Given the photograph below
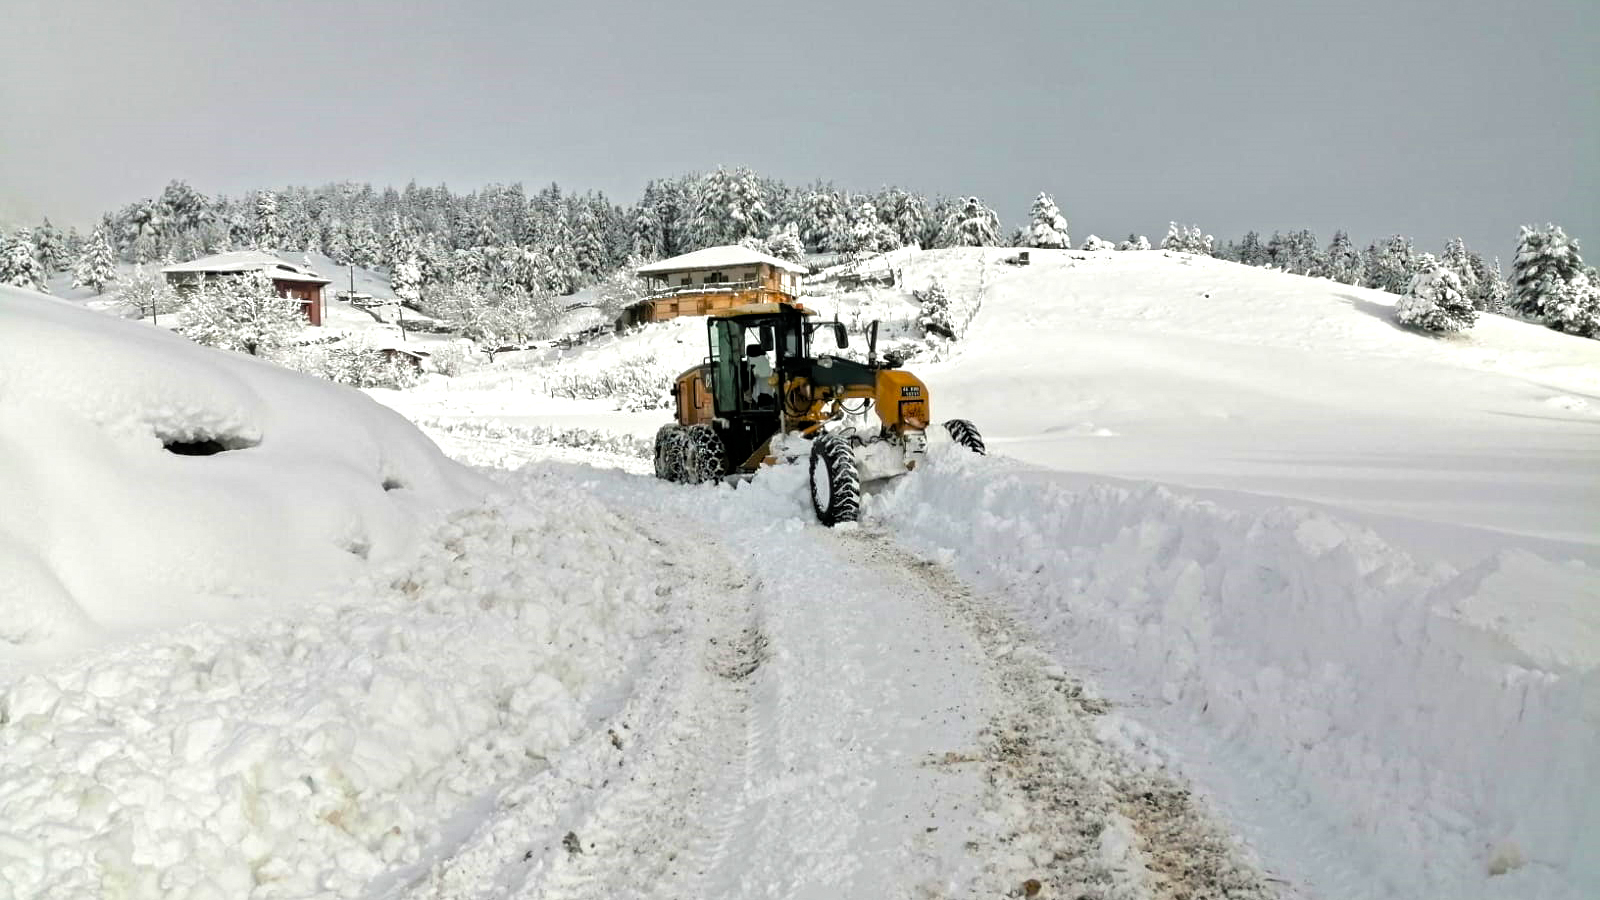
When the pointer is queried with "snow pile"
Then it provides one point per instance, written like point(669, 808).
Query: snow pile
point(306, 755)
point(1443, 722)
point(308, 485)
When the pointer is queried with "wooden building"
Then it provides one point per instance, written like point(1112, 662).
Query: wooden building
point(292, 281)
point(714, 278)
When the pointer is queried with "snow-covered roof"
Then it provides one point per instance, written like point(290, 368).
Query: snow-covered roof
point(726, 256)
point(248, 261)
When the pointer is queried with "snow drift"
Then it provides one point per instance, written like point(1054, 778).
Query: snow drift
point(111, 523)
point(1448, 722)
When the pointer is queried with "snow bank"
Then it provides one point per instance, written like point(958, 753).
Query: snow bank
point(305, 755)
point(108, 532)
point(1448, 722)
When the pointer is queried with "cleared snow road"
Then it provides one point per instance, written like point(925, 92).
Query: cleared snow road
point(829, 716)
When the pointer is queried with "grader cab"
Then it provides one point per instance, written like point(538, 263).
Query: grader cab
point(762, 397)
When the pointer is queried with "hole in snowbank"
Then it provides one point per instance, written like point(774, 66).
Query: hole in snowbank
point(393, 484)
point(200, 442)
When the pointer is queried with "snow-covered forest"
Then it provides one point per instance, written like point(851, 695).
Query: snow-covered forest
point(493, 248)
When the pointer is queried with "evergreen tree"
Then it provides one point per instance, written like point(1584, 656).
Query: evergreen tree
point(1389, 266)
point(1574, 306)
point(242, 313)
point(819, 220)
point(972, 224)
point(1135, 242)
point(785, 243)
point(1250, 251)
point(1436, 301)
point(50, 249)
point(1342, 261)
point(731, 207)
point(1546, 260)
point(1494, 292)
point(1187, 240)
point(18, 265)
point(267, 228)
point(97, 264)
point(1460, 261)
point(1047, 228)
point(406, 280)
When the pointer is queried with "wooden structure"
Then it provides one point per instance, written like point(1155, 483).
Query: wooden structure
point(716, 278)
point(289, 280)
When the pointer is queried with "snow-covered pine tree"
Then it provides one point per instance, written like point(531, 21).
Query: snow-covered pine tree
point(731, 207)
point(242, 313)
point(1574, 306)
point(406, 280)
point(50, 249)
point(785, 243)
point(1494, 294)
point(935, 316)
point(819, 221)
point(1435, 301)
point(1546, 260)
point(1047, 228)
point(18, 265)
point(97, 263)
point(1250, 251)
point(266, 226)
point(1459, 260)
point(971, 224)
point(1389, 266)
point(1187, 240)
point(1342, 261)
point(868, 233)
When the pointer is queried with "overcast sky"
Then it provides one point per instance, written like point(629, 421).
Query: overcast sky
point(1378, 116)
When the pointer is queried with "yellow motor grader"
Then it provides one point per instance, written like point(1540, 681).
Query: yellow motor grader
point(761, 397)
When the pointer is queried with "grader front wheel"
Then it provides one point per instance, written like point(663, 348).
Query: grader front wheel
point(705, 457)
point(966, 434)
point(835, 483)
point(671, 448)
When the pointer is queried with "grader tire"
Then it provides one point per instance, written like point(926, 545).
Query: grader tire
point(665, 445)
point(966, 434)
point(705, 458)
point(835, 483)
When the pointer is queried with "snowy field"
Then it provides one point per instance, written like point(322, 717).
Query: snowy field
point(1259, 596)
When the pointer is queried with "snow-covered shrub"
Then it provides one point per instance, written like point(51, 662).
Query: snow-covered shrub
point(1436, 301)
point(353, 363)
point(935, 317)
point(452, 359)
point(492, 317)
point(1574, 307)
point(147, 295)
point(1135, 242)
point(636, 384)
point(1096, 243)
point(785, 243)
point(242, 313)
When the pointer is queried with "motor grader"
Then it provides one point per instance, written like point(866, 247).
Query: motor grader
point(762, 397)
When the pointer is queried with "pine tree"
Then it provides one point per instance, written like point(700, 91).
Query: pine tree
point(406, 280)
point(972, 224)
point(267, 228)
point(785, 243)
point(97, 264)
point(1546, 260)
point(1574, 306)
point(241, 313)
point(1047, 228)
point(18, 265)
point(1342, 261)
point(1390, 266)
point(50, 249)
point(819, 221)
point(1436, 301)
point(1250, 251)
point(731, 207)
point(1460, 261)
point(1494, 292)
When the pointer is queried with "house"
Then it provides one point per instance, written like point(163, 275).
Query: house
point(297, 282)
point(714, 278)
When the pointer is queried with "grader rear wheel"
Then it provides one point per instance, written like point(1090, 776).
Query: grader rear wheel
point(672, 445)
point(966, 434)
point(704, 455)
point(835, 483)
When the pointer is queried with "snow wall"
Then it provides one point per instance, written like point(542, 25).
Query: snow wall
point(1317, 652)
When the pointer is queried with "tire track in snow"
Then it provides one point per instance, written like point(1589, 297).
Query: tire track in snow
point(1082, 819)
point(589, 825)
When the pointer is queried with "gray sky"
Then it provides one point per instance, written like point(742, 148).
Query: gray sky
point(1377, 116)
